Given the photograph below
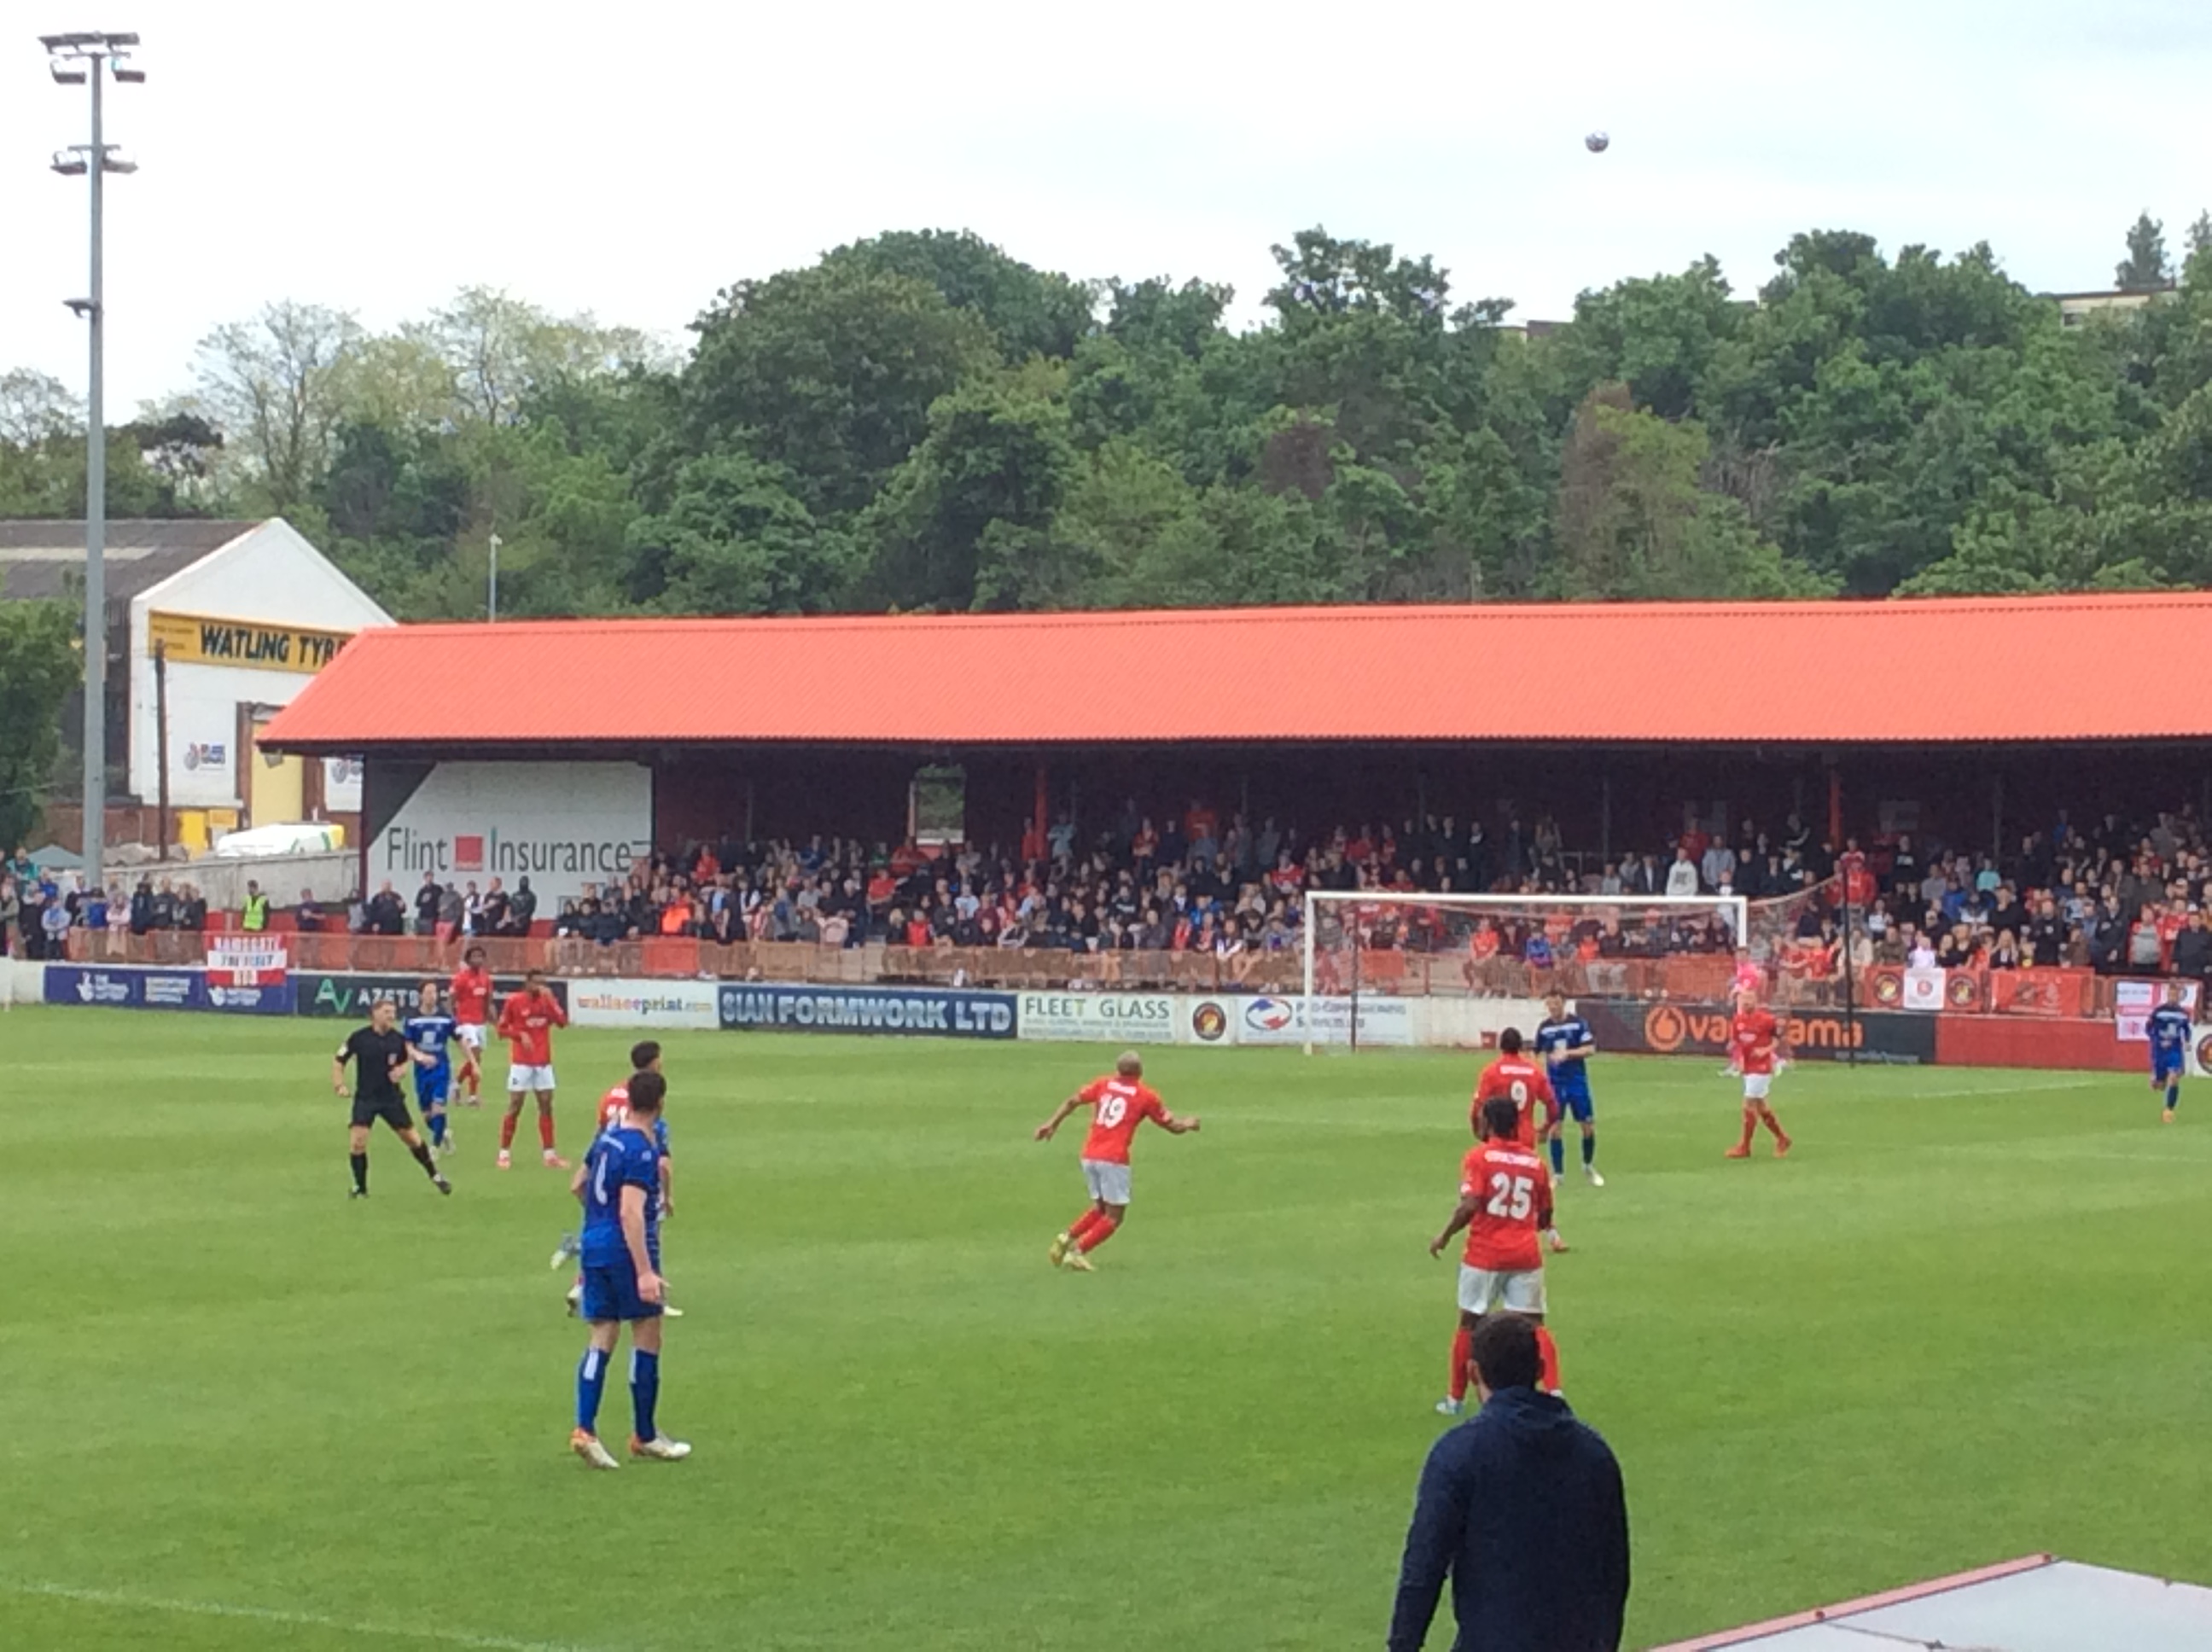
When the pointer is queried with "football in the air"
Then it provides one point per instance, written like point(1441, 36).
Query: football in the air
point(1596, 143)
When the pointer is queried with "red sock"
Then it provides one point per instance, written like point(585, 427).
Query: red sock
point(1766, 1115)
point(1547, 1352)
point(1462, 1343)
point(545, 1130)
point(1083, 1223)
point(1096, 1235)
point(505, 1131)
point(1750, 1126)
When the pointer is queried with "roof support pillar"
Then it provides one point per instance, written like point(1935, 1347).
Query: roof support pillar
point(1835, 803)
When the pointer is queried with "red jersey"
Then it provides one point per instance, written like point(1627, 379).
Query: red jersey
point(1513, 1191)
point(1118, 1105)
point(527, 1022)
point(472, 997)
point(1751, 1038)
point(613, 1106)
point(1523, 1083)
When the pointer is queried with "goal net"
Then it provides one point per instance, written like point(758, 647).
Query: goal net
point(1385, 967)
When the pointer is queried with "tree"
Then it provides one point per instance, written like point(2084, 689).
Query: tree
point(498, 350)
point(2146, 268)
point(2200, 234)
point(35, 408)
point(275, 386)
point(829, 372)
point(39, 665)
point(1325, 276)
point(1030, 311)
point(735, 539)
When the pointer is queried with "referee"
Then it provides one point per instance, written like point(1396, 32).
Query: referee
point(379, 1054)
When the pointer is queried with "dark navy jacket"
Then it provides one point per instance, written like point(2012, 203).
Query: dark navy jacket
point(1521, 1505)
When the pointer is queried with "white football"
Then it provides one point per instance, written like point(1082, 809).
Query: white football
point(1596, 143)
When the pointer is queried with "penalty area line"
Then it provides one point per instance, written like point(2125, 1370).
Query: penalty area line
point(120, 1600)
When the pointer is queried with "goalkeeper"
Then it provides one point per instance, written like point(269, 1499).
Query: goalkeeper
point(1566, 1045)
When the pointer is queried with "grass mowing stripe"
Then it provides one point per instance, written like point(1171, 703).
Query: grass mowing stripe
point(119, 1600)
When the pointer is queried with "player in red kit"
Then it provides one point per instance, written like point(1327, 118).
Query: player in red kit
point(1754, 1045)
point(472, 991)
point(1504, 1202)
point(1515, 1078)
point(527, 1021)
point(1118, 1105)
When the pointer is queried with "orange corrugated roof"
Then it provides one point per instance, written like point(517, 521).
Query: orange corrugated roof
point(2082, 667)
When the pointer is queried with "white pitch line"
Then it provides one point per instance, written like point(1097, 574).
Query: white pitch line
point(116, 1598)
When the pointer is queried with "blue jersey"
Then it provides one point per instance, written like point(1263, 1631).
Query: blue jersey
point(625, 1157)
point(2169, 1036)
point(1553, 1040)
point(430, 1033)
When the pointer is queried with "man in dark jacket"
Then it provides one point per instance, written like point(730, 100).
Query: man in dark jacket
point(1521, 1505)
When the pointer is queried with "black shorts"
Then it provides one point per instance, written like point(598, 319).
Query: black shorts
point(391, 1107)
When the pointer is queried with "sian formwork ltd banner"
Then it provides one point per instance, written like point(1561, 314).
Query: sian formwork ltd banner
point(754, 1007)
point(645, 1005)
point(563, 826)
point(1636, 1028)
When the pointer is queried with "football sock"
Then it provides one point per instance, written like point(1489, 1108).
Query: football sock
point(435, 1124)
point(1559, 1156)
point(1462, 1345)
point(1589, 1147)
point(1750, 1126)
point(1547, 1354)
point(1766, 1117)
point(644, 1390)
point(1083, 1223)
point(545, 1131)
point(360, 1162)
point(506, 1132)
point(1096, 1235)
point(422, 1151)
point(591, 1382)
point(2172, 1096)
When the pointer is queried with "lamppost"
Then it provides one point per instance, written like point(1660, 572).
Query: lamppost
point(87, 60)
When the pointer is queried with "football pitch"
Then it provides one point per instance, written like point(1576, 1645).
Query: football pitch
point(1966, 1320)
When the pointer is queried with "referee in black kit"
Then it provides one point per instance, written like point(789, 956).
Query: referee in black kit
point(379, 1054)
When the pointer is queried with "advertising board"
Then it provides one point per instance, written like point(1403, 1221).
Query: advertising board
point(756, 1007)
point(347, 997)
point(1292, 1019)
point(126, 988)
point(1103, 1017)
point(563, 826)
point(674, 1004)
point(1872, 1035)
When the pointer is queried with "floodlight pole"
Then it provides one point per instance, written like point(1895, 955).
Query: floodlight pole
point(89, 58)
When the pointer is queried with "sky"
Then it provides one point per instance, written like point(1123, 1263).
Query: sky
point(633, 160)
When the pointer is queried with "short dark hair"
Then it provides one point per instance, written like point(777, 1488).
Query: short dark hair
point(643, 1054)
point(647, 1092)
point(1500, 1118)
point(473, 952)
point(1504, 1351)
point(533, 974)
point(1508, 1042)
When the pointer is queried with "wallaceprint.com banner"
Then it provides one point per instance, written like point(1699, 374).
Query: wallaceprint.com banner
point(756, 1008)
point(644, 1004)
point(1637, 1028)
point(350, 997)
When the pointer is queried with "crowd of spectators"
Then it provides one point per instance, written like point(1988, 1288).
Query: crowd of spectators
point(40, 905)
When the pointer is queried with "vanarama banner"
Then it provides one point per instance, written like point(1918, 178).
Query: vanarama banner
point(566, 826)
point(257, 645)
point(1637, 1028)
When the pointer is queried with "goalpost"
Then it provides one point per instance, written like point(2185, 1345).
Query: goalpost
point(1365, 950)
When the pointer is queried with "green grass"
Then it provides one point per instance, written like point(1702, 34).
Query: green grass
point(1965, 1320)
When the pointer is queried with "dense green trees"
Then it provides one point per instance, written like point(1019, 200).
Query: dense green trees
point(921, 419)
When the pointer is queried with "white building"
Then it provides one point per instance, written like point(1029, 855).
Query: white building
point(212, 626)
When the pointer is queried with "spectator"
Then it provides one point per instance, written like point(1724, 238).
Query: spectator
point(308, 916)
point(522, 910)
point(1522, 1507)
point(1682, 875)
point(1717, 867)
point(428, 899)
point(254, 916)
point(11, 917)
point(192, 909)
point(384, 915)
point(141, 907)
point(2192, 948)
point(2046, 937)
point(165, 906)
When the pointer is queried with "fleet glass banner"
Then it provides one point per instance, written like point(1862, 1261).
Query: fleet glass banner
point(566, 826)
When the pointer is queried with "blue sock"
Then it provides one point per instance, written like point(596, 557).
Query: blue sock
point(591, 1382)
point(2172, 1096)
point(435, 1121)
point(1559, 1156)
point(1589, 1147)
point(644, 1389)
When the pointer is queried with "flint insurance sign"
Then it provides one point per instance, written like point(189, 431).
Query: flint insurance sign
point(561, 825)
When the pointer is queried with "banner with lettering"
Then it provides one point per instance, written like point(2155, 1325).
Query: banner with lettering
point(257, 645)
point(237, 958)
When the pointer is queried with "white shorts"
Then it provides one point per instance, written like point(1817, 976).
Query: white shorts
point(522, 1079)
point(1481, 1291)
point(1107, 1181)
point(1755, 1085)
point(471, 1033)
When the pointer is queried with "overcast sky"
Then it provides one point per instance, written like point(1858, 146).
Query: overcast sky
point(374, 158)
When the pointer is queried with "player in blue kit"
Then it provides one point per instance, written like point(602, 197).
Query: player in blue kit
point(1565, 1044)
point(430, 1033)
point(2169, 1045)
point(619, 1182)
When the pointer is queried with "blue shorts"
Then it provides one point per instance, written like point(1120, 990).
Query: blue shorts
point(1575, 1100)
point(2169, 1069)
point(611, 1293)
point(432, 1084)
